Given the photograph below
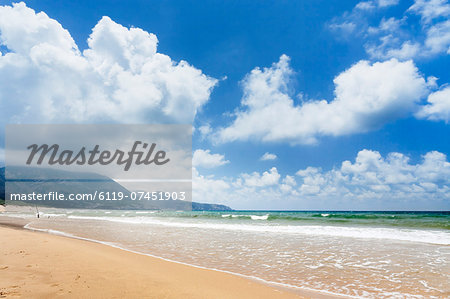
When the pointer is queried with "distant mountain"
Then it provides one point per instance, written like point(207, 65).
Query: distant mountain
point(43, 180)
point(64, 182)
point(2, 185)
point(196, 206)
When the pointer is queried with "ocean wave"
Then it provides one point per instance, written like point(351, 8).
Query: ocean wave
point(252, 217)
point(419, 220)
point(396, 234)
point(256, 217)
point(124, 248)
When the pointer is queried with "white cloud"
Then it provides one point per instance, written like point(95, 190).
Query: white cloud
point(394, 37)
point(369, 5)
point(205, 130)
point(438, 107)
point(435, 41)
point(438, 38)
point(22, 30)
point(263, 192)
point(355, 21)
point(407, 50)
point(370, 181)
point(386, 3)
point(386, 25)
point(372, 176)
point(209, 188)
point(366, 97)
point(346, 28)
point(430, 9)
point(288, 185)
point(120, 77)
point(289, 180)
point(268, 156)
point(204, 158)
point(268, 178)
point(365, 5)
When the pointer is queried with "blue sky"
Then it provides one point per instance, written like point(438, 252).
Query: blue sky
point(379, 61)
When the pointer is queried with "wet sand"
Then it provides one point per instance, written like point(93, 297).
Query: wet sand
point(40, 265)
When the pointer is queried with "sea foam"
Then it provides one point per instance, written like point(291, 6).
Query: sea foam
point(396, 234)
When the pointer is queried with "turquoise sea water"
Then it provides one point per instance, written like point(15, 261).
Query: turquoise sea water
point(415, 219)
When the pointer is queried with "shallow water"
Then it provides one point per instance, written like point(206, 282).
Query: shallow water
point(372, 255)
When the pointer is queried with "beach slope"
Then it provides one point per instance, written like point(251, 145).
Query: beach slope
point(39, 265)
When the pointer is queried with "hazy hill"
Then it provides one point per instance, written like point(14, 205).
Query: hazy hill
point(64, 182)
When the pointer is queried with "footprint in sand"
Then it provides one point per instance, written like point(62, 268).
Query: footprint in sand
point(4, 268)
point(7, 293)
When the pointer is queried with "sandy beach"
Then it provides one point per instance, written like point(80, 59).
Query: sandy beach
point(225, 149)
point(40, 265)
point(118, 254)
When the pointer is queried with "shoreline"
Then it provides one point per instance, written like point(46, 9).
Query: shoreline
point(170, 246)
point(221, 284)
point(276, 285)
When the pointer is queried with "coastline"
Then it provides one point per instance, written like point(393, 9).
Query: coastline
point(40, 265)
point(308, 270)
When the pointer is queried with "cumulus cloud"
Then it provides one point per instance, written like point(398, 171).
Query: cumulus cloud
point(120, 77)
point(367, 96)
point(209, 188)
point(371, 176)
point(393, 37)
point(370, 180)
point(205, 131)
point(438, 107)
point(268, 156)
point(268, 178)
point(288, 185)
point(243, 191)
point(204, 158)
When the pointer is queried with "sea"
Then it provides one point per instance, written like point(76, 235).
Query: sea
point(335, 253)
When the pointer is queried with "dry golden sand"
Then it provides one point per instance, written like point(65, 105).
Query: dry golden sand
point(39, 265)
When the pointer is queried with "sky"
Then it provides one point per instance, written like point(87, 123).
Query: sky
point(298, 105)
